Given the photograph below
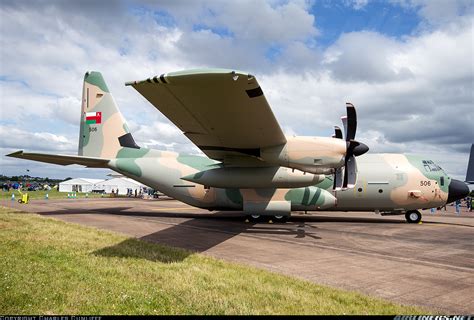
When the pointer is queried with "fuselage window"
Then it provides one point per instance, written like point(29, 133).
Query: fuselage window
point(441, 181)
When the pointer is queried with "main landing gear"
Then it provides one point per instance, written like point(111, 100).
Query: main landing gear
point(262, 218)
point(413, 216)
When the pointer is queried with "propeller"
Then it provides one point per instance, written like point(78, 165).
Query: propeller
point(337, 132)
point(354, 149)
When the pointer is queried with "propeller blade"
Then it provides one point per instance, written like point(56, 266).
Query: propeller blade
point(344, 125)
point(337, 132)
point(351, 173)
point(337, 179)
point(351, 122)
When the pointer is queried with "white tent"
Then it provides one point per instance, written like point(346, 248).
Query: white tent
point(121, 184)
point(78, 185)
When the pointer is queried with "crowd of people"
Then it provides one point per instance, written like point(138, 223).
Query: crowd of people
point(468, 202)
point(135, 193)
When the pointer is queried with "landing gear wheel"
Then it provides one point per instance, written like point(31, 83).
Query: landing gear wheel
point(254, 217)
point(413, 216)
point(280, 219)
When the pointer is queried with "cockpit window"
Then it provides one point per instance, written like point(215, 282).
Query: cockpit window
point(430, 166)
point(441, 180)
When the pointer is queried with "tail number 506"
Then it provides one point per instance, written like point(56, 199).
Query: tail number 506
point(425, 183)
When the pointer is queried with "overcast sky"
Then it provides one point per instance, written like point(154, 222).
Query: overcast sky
point(407, 65)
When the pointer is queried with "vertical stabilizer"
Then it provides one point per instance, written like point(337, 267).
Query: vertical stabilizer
point(470, 166)
point(103, 130)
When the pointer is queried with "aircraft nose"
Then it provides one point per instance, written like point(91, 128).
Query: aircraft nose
point(457, 190)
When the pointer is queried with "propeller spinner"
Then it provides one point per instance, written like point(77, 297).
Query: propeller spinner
point(354, 149)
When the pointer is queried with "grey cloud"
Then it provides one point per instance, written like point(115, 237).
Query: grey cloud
point(364, 56)
point(258, 20)
point(35, 141)
point(261, 21)
point(438, 12)
point(205, 48)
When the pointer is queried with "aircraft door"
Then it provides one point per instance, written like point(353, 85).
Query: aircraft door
point(440, 197)
point(205, 194)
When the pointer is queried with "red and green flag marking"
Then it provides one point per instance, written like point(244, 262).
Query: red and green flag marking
point(93, 117)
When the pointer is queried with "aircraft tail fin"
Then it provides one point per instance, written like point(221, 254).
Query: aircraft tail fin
point(470, 166)
point(103, 130)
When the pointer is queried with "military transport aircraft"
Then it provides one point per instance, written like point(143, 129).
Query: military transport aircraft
point(251, 166)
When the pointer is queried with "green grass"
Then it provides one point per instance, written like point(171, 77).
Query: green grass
point(40, 194)
point(51, 267)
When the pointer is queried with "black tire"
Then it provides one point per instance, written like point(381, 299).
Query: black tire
point(280, 219)
point(254, 217)
point(413, 216)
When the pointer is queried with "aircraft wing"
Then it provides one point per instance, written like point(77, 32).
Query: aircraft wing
point(63, 160)
point(223, 112)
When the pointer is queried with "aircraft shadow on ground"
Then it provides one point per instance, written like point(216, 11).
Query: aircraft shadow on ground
point(131, 248)
point(190, 235)
point(196, 235)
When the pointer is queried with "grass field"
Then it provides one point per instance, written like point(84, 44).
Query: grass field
point(51, 267)
point(41, 194)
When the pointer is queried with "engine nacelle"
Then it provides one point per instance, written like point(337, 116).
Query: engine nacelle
point(311, 198)
point(318, 155)
point(249, 178)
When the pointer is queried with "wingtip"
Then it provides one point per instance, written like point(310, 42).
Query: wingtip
point(15, 154)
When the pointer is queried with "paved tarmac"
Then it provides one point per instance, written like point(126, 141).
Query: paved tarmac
point(429, 264)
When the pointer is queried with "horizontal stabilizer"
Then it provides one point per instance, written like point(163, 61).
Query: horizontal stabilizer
point(63, 160)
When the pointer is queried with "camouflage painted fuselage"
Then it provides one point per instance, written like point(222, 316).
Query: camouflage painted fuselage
point(386, 182)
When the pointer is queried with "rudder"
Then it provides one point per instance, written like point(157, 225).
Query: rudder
point(103, 130)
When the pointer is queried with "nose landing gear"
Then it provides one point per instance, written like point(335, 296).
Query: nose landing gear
point(413, 216)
